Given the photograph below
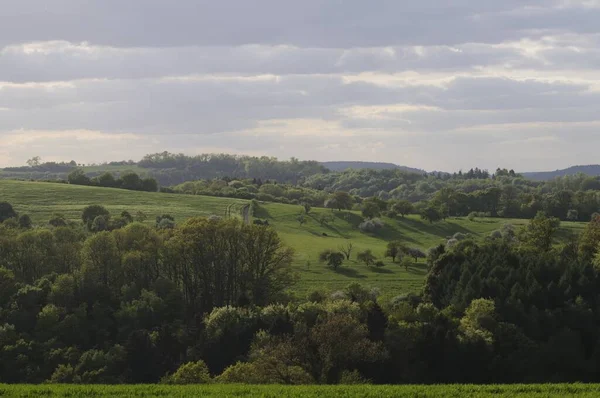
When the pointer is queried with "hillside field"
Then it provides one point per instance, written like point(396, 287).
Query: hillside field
point(275, 391)
point(42, 200)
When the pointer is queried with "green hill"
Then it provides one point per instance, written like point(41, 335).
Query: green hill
point(41, 200)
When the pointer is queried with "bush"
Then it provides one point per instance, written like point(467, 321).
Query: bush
point(25, 221)
point(353, 377)
point(332, 258)
point(6, 211)
point(366, 256)
point(371, 225)
point(379, 263)
point(191, 373)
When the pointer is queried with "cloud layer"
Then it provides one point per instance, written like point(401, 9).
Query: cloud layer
point(426, 84)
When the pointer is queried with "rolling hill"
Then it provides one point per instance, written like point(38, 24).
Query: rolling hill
point(41, 200)
point(592, 170)
point(344, 165)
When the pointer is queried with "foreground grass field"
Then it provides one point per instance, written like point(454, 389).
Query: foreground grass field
point(532, 390)
point(41, 200)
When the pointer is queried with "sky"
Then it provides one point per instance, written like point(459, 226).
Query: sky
point(433, 84)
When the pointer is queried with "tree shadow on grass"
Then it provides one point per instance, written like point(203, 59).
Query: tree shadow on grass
point(441, 229)
point(418, 269)
point(381, 271)
point(350, 218)
point(261, 212)
point(349, 272)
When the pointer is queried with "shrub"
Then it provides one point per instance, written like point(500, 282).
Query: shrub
point(353, 377)
point(191, 373)
point(25, 221)
point(6, 211)
point(366, 256)
point(379, 263)
point(371, 225)
point(332, 258)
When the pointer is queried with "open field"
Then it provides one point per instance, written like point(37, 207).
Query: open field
point(308, 240)
point(41, 200)
point(215, 390)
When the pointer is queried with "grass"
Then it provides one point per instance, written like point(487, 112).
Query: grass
point(216, 390)
point(41, 200)
point(391, 280)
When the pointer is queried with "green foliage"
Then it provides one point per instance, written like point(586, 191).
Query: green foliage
point(191, 373)
point(25, 221)
point(395, 249)
point(90, 213)
point(366, 256)
point(6, 212)
point(332, 258)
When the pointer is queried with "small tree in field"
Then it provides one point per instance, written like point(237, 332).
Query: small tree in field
point(403, 207)
point(416, 253)
point(395, 249)
point(191, 373)
point(331, 258)
point(366, 256)
point(406, 262)
point(347, 249)
point(306, 207)
point(301, 218)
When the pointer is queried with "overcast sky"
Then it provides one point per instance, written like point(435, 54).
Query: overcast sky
point(434, 84)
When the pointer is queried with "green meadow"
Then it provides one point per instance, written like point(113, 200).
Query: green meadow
point(317, 391)
point(41, 200)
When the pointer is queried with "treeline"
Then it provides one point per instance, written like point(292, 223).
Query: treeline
point(269, 191)
point(206, 300)
point(504, 194)
point(171, 169)
point(129, 180)
point(81, 304)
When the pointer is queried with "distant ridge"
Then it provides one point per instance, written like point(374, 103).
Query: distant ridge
point(344, 165)
point(591, 170)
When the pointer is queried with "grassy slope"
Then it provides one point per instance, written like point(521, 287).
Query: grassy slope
point(216, 390)
point(392, 279)
point(41, 200)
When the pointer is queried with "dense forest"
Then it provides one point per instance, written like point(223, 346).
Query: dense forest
point(111, 300)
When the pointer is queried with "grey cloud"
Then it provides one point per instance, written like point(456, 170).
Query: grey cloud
point(310, 23)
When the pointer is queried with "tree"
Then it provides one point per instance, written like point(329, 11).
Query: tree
point(191, 373)
point(140, 216)
point(78, 177)
point(416, 253)
point(370, 209)
point(331, 258)
point(25, 221)
point(366, 256)
point(90, 213)
point(346, 249)
point(395, 249)
point(149, 185)
point(307, 207)
point(106, 180)
point(325, 219)
point(130, 180)
point(340, 200)
point(431, 213)
point(301, 218)
point(539, 232)
point(406, 262)
point(403, 207)
point(58, 220)
point(34, 161)
point(6, 211)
